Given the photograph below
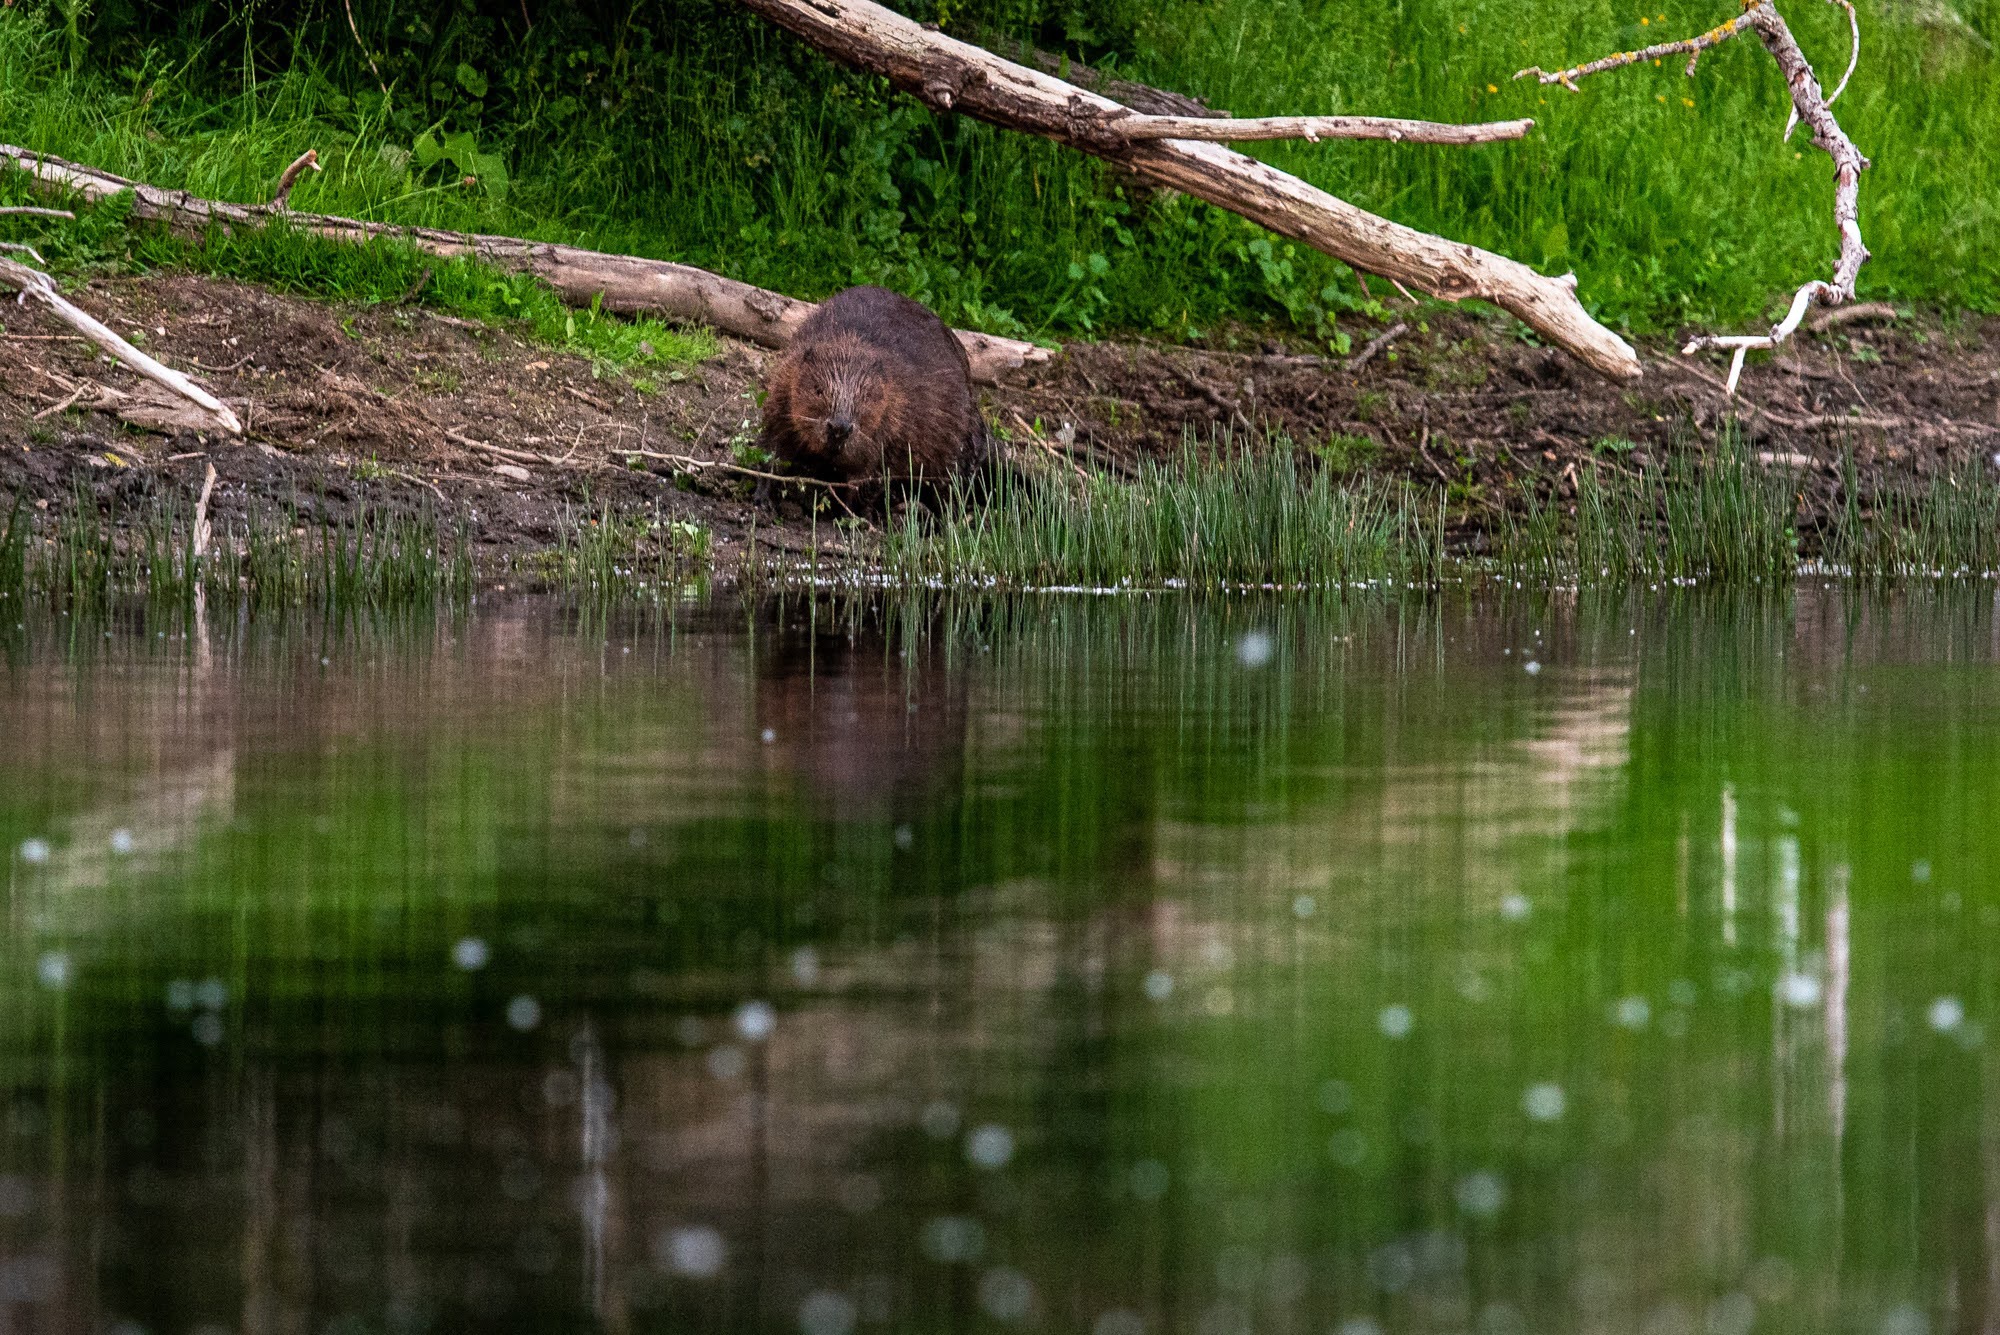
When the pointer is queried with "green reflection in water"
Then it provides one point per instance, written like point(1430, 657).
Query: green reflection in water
point(1113, 964)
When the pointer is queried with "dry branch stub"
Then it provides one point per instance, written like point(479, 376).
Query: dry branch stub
point(947, 74)
point(626, 284)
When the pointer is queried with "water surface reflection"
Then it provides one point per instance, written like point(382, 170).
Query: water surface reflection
point(1120, 965)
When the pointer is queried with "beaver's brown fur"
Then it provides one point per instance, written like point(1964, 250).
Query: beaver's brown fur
point(873, 388)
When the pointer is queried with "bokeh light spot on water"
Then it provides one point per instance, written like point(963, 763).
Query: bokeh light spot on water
point(1255, 649)
point(1481, 1194)
point(1150, 1179)
point(122, 842)
point(1905, 1319)
point(1544, 1102)
point(1358, 1325)
point(1516, 907)
point(1119, 1321)
point(805, 966)
point(1335, 1096)
point(826, 1313)
point(471, 952)
point(1304, 906)
point(939, 1119)
point(1632, 1012)
point(524, 1013)
point(691, 1031)
point(53, 969)
point(768, 736)
point(1005, 1294)
point(1800, 991)
point(1395, 1021)
point(726, 1061)
point(1219, 1001)
point(1391, 1267)
point(1532, 668)
point(755, 1021)
point(34, 852)
point(211, 994)
point(906, 838)
point(1732, 1314)
point(1348, 1147)
point(1920, 871)
point(1159, 985)
point(695, 1251)
point(180, 994)
point(207, 1029)
point(952, 1239)
point(1682, 992)
point(990, 1146)
point(1946, 1014)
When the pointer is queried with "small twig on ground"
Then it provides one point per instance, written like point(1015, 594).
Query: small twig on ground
point(30, 211)
point(500, 451)
point(1376, 344)
point(693, 465)
point(582, 397)
point(309, 158)
point(23, 248)
point(236, 365)
point(412, 477)
point(51, 411)
point(1840, 315)
point(416, 288)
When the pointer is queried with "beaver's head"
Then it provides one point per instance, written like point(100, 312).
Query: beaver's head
point(841, 397)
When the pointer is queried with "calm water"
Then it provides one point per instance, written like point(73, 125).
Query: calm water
point(1098, 965)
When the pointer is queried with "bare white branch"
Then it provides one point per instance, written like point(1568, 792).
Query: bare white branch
point(1809, 106)
point(1313, 129)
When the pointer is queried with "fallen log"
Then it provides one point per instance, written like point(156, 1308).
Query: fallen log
point(38, 286)
point(626, 284)
point(950, 75)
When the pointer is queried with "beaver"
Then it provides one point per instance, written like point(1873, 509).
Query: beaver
point(874, 388)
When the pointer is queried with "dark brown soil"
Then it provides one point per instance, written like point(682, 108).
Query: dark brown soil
point(383, 405)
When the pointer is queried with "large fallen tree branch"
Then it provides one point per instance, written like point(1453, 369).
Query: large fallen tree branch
point(35, 285)
point(1809, 105)
point(949, 75)
point(626, 284)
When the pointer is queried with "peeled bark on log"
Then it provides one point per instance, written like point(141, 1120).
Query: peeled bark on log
point(627, 284)
point(950, 75)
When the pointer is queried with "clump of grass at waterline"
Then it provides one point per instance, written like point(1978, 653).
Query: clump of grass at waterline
point(89, 558)
point(1722, 516)
point(602, 555)
point(1237, 517)
point(1718, 516)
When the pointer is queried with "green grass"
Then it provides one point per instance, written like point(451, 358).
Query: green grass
point(690, 131)
point(383, 272)
point(1236, 516)
point(90, 557)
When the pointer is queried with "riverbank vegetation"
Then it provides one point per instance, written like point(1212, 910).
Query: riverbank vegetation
point(688, 130)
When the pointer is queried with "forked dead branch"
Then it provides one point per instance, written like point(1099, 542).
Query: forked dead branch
point(1810, 105)
point(949, 75)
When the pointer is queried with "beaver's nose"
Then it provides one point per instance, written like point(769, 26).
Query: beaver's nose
point(838, 429)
